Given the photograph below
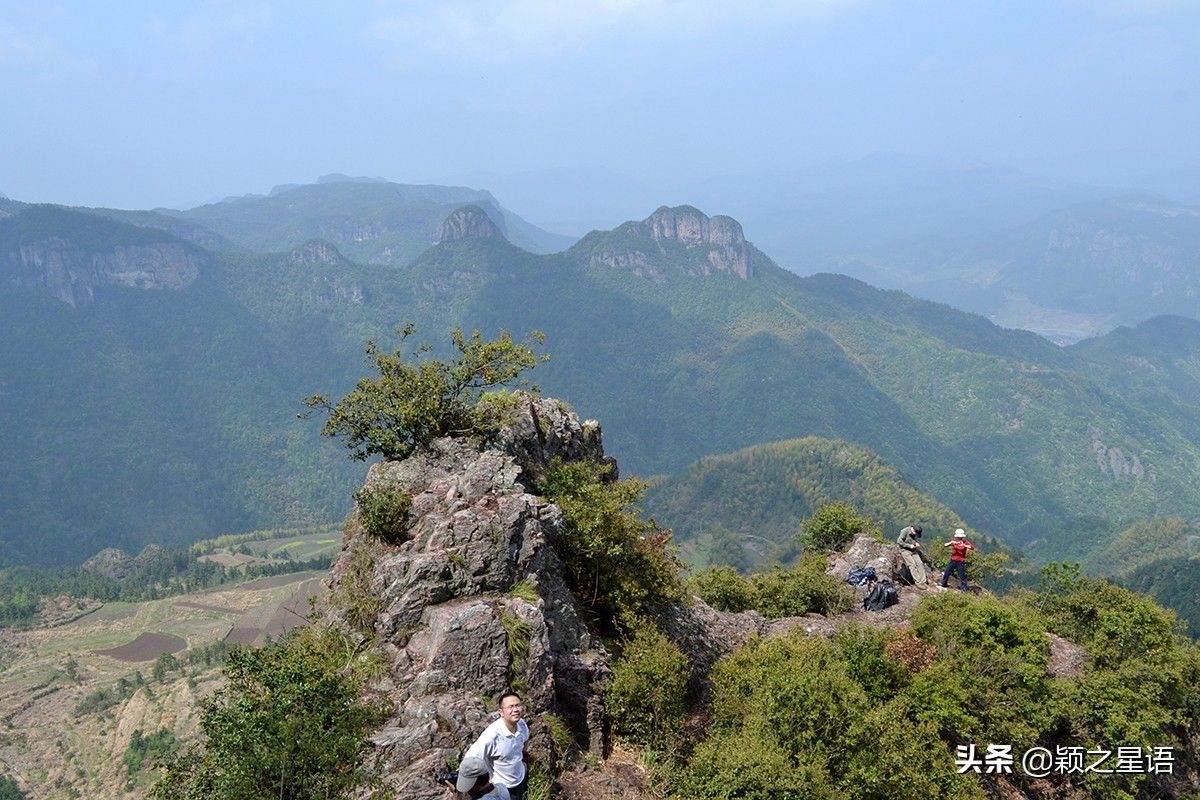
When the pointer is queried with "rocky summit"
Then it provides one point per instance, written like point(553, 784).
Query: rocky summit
point(445, 618)
point(468, 222)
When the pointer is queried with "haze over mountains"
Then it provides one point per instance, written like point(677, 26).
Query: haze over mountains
point(157, 361)
point(1068, 260)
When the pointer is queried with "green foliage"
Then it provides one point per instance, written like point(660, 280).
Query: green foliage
point(517, 632)
point(864, 651)
point(524, 590)
point(150, 750)
point(10, 789)
point(746, 766)
point(765, 493)
point(288, 722)
point(1114, 624)
point(415, 400)
point(723, 589)
point(791, 691)
point(383, 511)
point(803, 589)
point(161, 573)
point(895, 755)
point(646, 696)
point(352, 594)
point(833, 526)
point(620, 567)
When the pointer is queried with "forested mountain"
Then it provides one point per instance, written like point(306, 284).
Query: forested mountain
point(745, 508)
point(165, 413)
point(1070, 273)
point(374, 222)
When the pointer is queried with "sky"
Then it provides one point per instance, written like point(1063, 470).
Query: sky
point(146, 104)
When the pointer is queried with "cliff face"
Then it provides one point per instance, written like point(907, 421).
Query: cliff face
point(444, 616)
point(72, 273)
point(708, 244)
point(468, 222)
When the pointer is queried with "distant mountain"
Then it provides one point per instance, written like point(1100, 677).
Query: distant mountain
point(169, 414)
point(745, 508)
point(1069, 274)
point(371, 222)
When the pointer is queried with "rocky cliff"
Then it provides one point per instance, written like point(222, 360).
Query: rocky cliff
point(708, 244)
point(474, 600)
point(71, 254)
point(468, 222)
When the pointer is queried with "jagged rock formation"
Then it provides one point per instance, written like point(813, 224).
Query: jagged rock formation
point(717, 241)
point(468, 222)
point(444, 617)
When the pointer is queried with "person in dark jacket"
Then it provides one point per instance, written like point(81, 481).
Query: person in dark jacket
point(959, 546)
point(910, 552)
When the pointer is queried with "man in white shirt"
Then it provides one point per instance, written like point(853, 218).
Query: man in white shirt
point(501, 747)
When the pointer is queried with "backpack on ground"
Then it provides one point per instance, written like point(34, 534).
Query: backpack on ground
point(883, 595)
point(904, 576)
point(861, 576)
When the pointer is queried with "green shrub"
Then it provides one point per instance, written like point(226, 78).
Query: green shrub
point(989, 684)
point(414, 400)
point(149, 750)
point(800, 590)
point(383, 511)
point(289, 722)
point(359, 605)
point(865, 653)
point(794, 690)
point(895, 756)
point(1114, 624)
point(832, 527)
point(746, 766)
point(620, 567)
point(646, 696)
point(723, 589)
point(10, 789)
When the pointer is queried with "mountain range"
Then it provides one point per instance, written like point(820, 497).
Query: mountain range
point(158, 359)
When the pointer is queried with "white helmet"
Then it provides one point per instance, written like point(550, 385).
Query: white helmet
point(959, 533)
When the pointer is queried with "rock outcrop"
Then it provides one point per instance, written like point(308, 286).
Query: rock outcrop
point(475, 599)
point(72, 274)
point(468, 222)
point(712, 244)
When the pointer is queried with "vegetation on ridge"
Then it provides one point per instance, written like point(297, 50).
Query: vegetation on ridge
point(413, 401)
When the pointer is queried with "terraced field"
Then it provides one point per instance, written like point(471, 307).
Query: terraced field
point(71, 696)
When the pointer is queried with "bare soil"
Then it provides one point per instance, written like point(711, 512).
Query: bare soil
point(146, 647)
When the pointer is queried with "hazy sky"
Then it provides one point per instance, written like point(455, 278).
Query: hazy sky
point(139, 104)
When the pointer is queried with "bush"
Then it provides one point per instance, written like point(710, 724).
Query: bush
point(646, 696)
point(723, 589)
point(620, 567)
point(414, 401)
point(792, 690)
point(832, 527)
point(866, 654)
point(154, 749)
point(1114, 624)
point(748, 767)
point(289, 722)
point(383, 511)
point(989, 684)
point(800, 590)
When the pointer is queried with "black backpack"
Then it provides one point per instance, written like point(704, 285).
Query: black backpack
point(904, 576)
point(883, 595)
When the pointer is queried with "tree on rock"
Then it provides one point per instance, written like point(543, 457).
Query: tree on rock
point(414, 399)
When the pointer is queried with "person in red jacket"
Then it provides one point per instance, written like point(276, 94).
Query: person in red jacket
point(958, 558)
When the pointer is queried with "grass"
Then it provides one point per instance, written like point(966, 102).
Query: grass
point(517, 632)
point(524, 590)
